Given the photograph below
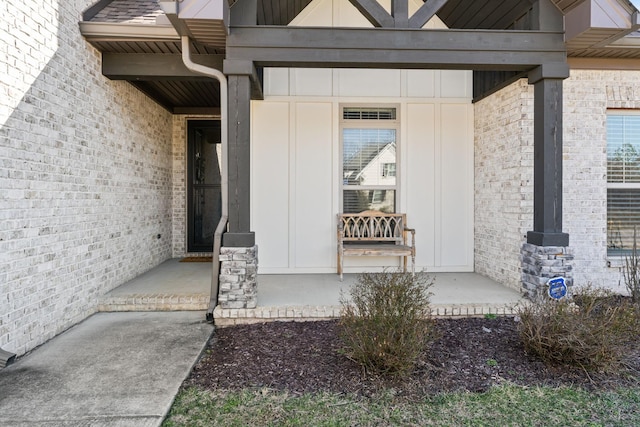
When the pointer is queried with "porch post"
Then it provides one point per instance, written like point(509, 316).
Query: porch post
point(239, 253)
point(546, 254)
point(239, 155)
point(547, 156)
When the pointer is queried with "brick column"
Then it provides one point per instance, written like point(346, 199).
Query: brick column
point(541, 263)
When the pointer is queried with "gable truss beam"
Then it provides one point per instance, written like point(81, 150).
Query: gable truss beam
point(400, 11)
point(425, 13)
point(395, 48)
point(399, 18)
point(374, 12)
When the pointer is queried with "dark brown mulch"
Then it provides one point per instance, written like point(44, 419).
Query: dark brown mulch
point(197, 259)
point(471, 354)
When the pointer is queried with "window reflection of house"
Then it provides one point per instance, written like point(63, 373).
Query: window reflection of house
point(389, 169)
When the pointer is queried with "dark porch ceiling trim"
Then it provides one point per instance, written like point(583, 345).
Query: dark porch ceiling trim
point(395, 48)
point(153, 66)
point(486, 83)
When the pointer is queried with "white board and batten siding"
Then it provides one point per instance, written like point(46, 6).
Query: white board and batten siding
point(296, 159)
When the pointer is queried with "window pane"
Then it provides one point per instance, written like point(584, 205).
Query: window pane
point(623, 148)
point(355, 201)
point(623, 213)
point(365, 151)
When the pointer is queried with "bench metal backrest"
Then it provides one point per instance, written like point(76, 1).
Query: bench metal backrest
point(372, 226)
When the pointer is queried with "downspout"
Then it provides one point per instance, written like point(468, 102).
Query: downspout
point(6, 358)
point(217, 237)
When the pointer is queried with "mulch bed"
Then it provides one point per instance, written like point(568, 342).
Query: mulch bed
point(471, 354)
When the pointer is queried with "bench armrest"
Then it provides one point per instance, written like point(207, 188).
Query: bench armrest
point(340, 230)
point(413, 235)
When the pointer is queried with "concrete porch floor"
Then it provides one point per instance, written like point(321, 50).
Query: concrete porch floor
point(175, 285)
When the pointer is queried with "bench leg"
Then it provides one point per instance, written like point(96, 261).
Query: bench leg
point(340, 258)
point(413, 264)
point(404, 262)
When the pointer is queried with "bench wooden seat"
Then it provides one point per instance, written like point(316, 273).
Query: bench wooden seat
point(375, 233)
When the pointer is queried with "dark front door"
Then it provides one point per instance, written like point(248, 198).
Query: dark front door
point(204, 204)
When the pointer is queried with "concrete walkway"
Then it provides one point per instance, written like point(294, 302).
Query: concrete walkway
point(123, 369)
point(113, 369)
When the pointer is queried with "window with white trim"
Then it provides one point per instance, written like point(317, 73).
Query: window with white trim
point(369, 166)
point(623, 180)
point(388, 169)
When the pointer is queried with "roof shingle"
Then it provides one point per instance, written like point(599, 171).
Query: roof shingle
point(129, 12)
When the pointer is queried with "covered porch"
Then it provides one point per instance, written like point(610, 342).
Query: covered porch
point(234, 56)
point(175, 285)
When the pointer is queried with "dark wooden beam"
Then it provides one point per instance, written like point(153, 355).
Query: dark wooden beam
point(425, 13)
point(546, 16)
point(400, 9)
point(239, 163)
point(246, 68)
point(374, 12)
point(547, 156)
point(244, 12)
point(154, 66)
point(395, 48)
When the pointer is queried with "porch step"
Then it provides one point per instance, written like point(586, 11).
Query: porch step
point(155, 302)
point(242, 316)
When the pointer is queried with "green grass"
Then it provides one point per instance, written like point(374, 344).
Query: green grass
point(506, 405)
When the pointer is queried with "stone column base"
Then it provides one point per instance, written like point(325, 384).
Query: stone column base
point(541, 263)
point(238, 282)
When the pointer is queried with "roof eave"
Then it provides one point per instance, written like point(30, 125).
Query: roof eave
point(611, 20)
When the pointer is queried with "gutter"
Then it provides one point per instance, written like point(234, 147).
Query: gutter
point(111, 31)
point(217, 237)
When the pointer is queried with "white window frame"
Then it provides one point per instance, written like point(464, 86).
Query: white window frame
point(371, 124)
point(388, 171)
point(618, 185)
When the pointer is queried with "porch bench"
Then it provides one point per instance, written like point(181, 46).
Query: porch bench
point(375, 233)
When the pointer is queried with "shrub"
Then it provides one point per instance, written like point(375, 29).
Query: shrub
point(631, 271)
point(386, 323)
point(595, 331)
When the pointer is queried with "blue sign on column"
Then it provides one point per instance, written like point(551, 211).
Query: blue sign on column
point(557, 288)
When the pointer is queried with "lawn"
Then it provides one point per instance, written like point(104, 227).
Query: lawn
point(503, 405)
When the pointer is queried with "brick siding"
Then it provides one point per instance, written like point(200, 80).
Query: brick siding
point(504, 174)
point(588, 95)
point(85, 175)
point(503, 181)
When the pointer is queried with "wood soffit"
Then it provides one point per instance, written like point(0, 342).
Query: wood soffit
point(140, 27)
point(140, 16)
